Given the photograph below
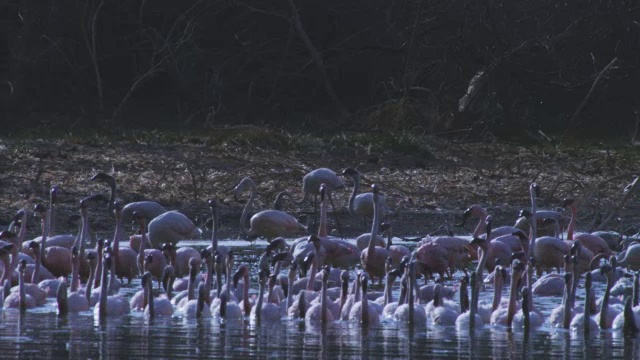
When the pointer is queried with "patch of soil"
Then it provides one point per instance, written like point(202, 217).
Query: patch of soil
point(425, 190)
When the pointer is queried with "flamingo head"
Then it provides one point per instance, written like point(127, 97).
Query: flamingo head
point(384, 227)
point(74, 251)
point(53, 194)
point(20, 215)
point(344, 276)
point(33, 245)
point(605, 269)
point(7, 235)
point(350, 172)
point(6, 249)
point(40, 209)
point(568, 202)
point(526, 213)
point(323, 191)
point(205, 254)
point(23, 265)
point(242, 271)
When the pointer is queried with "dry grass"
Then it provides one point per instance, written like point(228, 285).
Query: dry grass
point(427, 181)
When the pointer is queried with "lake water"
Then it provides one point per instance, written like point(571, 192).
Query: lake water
point(41, 334)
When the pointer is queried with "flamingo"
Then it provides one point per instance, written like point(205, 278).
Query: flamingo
point(20, 299)
point(629, 321)
point(607, 313)
point(396, 252)
point(504, 316)
point(318, 312)
point(158, 261)
point(179, 257)
point(441, 313)
point(335, 252)
point(471, 319)
point(124, 262)
point(480, 231)
point(266, 311)
point(109, 305)
point(363, 204)
point(594, 243)
point(362, 311)
point(310, 185)
point(373, 257)
point(410, 313)
point(630, 258)
point(267, 223)
point(148, 209)
point(547, 250)
point(584, 322)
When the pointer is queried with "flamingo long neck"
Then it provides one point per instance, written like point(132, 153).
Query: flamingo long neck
point(115, 249)
point(571, 228)
point(473, 306)
point(533, 223)
point(150, 301)
point(497, 291)
point(43, 244)
point(88, 288)
point(302, 304)
point(36, 270)
point(102, 307)
point(323, 301)
point(218, 282)
point(526, 311)
point(6, 274)
point(244, 228)
point(387, 289)
point(322, 228)
point(529, 297)
point(75, 269)
point(481, 228)
point(292, 276)
point(260, 300)
point(52, 216)
point(411, 295)
point(343, 295)
point(62, 300)
point(574, 285)
point(513, 293)
point(484, 255)
point(142, 248)
point(245, 294)
point(354, 193)
point(84, 234)
point(587, 304)
point(191, 285)
point(22, 234)
point(374, 227)
point(437, 296)
point(604, 307)
point(200, 301)
point(312, 275)
point(214, 241)
point(403, 291)
point(223, 305)
point(23, 294)
point(389, 241)
point(566, 320)
point(630, 327)
point(96, 281)
point(636, 292)
point(365, 304)
point(464, 297)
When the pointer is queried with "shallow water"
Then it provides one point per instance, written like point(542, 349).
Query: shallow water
point(40, 334)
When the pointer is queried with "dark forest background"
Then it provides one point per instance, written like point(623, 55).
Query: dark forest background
point(510, 68)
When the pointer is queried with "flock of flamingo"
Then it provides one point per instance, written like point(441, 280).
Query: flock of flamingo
point(314, 278)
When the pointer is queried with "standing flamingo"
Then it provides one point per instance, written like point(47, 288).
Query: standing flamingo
point(362, 204)
point(373, 257)
point(594, 243)
point(148, 209)
point(267, 223)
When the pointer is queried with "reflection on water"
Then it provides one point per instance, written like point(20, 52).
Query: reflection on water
point(44, 335)
point(40, 334)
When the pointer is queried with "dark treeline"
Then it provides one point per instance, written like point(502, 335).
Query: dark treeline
point(509, 67)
